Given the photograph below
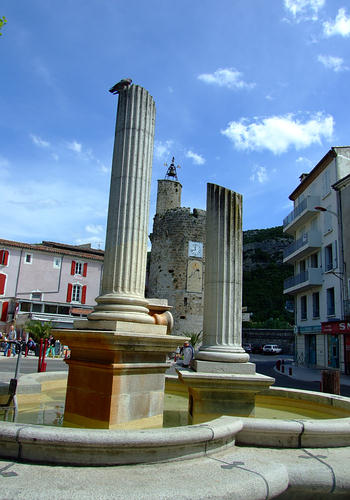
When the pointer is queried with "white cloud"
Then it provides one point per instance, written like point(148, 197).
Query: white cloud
point(304, 9)
point(340, 26)
point(94, 229)
point(279, 133)
point(304, 161)
point(162, 149)
point(38, 141)
point(259, 174)
point(74, 146)
point(197, 159)
point(332, 62)
point(225, 77)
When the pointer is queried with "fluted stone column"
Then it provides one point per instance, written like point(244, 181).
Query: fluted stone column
point(222, 323)
point(122, 297)
point(225, 383)
point(119, 354)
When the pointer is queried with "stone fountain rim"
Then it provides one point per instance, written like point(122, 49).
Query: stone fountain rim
point(45, 444)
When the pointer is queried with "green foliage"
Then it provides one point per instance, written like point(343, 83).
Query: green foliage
point(270, 233)
point(195, 338)
point(3, 21)
point(263, 293)
point(37, 329)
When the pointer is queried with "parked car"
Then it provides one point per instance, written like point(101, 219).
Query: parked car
point(272, 349)
point(247, 348)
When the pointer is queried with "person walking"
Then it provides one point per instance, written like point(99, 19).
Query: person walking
point(51, 346)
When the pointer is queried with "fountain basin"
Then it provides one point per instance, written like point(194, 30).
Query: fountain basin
point(63, 445)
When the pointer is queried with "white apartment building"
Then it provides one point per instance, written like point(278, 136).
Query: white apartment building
point(319, 282)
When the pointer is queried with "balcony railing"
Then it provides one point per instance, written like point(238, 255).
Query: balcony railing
point(307, 206)
point(311, 277)
point(305, 245)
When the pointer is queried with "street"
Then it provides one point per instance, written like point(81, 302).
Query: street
point(264, 365)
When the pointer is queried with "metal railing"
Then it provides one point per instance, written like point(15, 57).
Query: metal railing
point(308, 203)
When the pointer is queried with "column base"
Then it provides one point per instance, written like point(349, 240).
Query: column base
point(114, 306)
point(224, 354)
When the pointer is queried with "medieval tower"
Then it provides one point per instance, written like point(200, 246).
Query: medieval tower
point(177, 255)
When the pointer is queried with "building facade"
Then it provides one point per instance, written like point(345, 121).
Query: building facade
point(48, 281)
point(317, 285)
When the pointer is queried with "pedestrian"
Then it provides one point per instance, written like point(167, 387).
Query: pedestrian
point(188, 354)
point(11, 345)
point(51, 346)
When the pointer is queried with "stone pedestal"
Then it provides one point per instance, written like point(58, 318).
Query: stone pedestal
point(116, 379)
point(214, 394)
point(225, 383)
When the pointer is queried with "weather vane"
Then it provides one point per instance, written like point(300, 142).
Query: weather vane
point(171, 172)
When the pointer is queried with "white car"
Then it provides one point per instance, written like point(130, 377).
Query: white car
point(272, 349)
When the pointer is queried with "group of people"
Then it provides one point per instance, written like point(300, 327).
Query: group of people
point(8, 342)
point(11, 336)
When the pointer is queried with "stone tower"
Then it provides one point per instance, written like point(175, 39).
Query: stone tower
point(177, 257)
point(168, 195)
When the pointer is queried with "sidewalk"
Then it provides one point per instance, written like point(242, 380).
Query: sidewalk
point(308, 374)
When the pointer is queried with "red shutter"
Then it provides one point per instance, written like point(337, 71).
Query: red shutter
point(72, 269)
point(2, 283)
point(1, 256)
point(6, 257)
point(83, 295)
point(69, 292)
point(5, 306)
point(85, 269)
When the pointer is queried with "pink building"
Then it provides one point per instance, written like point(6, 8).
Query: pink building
point(48, 281)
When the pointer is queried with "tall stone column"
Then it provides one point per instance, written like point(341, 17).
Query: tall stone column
point(222, 322)
point(124, 273)
point(225, 383)
point(118, 355)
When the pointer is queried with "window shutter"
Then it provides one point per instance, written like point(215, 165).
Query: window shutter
point(5, 306)
point(85, 269)
point(2, 283)
point(83, 294)
point(72, 269)
point(6, 257)
point(1, 255)
point(69, 292)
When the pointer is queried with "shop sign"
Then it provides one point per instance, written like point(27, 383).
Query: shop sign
point(336, 327)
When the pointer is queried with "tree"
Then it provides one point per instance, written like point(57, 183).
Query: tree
point(37, 329)
point(3, 21)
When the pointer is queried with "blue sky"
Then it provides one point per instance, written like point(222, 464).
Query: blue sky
point(249, 94)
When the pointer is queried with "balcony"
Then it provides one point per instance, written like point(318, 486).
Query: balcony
point(301, 214)
point(301, 248)
point(303, 281)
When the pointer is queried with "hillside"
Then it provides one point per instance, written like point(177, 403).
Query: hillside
point(264, 273)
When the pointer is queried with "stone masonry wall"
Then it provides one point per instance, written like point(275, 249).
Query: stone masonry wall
point(172, 230)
